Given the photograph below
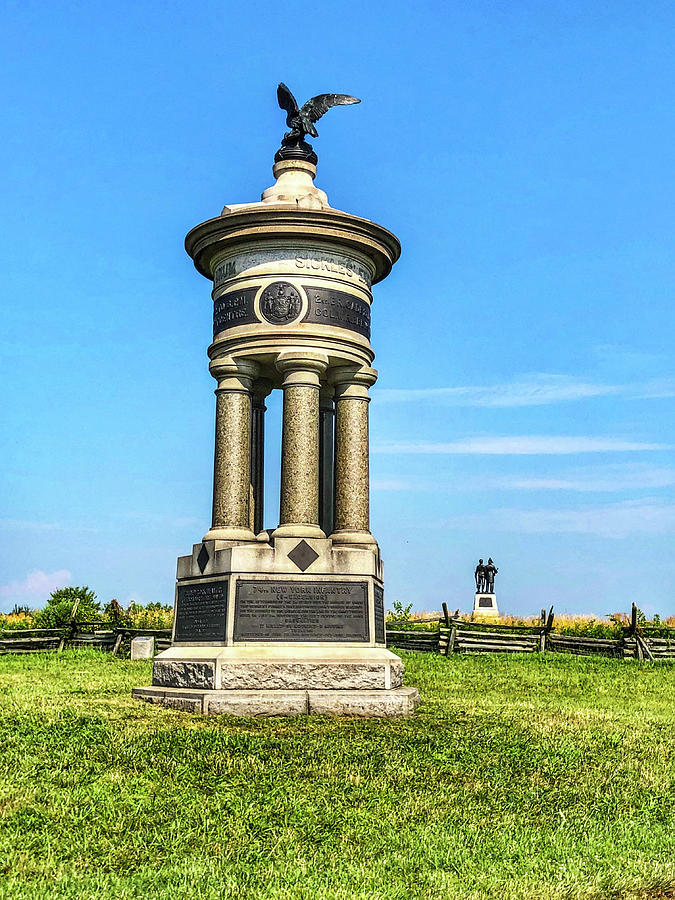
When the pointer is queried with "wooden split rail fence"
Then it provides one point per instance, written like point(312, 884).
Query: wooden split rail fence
point(114, 640)
point(454, 635)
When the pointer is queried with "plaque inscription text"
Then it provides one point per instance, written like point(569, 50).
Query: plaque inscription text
point(234, 308)
point(201, 611)
point(380, 635)
point(329, 307)
point(301, 611)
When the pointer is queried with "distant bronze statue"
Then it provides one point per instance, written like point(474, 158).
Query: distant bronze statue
point(490, 572)
point(485, 577)
point(479, 575)
point(301, 119)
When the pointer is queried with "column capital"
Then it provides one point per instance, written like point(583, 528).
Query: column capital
point(352, 381)
point(301, 367)
point(262, 388)
point(233, 374)
point(326, 394)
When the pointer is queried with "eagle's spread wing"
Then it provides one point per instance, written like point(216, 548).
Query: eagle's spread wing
point(286, 100)
point(320, 104)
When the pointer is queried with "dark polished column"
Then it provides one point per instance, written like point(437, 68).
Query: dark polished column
point(326, 458)
point(261, 389)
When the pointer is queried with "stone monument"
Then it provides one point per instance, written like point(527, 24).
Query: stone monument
point(290, 621)
point(485, 599)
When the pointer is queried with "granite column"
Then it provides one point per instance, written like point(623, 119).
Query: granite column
point(299, 508)
point(352, 477)
point(232, 456)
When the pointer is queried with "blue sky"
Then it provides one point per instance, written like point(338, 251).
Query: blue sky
point(523, 153)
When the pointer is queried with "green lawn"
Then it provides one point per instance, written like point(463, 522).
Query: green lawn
point(519, 777)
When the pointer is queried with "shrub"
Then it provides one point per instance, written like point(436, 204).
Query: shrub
point(58, 611)
point(399, 615)
point(114, 613)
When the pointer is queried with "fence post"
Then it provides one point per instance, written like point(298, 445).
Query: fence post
point(642, 647)
point(451, 642)
point(446, 615)
point(73, 625)
point(118, 643)
point(549, 625)
point(542, 632)
point(633, 631)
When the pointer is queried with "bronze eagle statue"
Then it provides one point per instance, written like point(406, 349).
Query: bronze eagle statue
point(301, 119)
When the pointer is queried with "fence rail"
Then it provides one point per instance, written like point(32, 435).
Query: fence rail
point(114, 640)
point(453, 635)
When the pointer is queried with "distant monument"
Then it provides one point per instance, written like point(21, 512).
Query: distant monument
point(485, 599)
point(291, 620)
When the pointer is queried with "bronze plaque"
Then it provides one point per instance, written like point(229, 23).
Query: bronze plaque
point(280, 303)
point(234, 308)
point(380, 635)
point(301, 611)
point(201, 611)
point(329, 307)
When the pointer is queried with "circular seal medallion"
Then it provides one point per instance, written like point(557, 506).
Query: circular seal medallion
point(280, 303)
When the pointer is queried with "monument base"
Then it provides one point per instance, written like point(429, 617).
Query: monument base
point(278, 667)
point(290, 625)
point(375, 703)
point(485, 605)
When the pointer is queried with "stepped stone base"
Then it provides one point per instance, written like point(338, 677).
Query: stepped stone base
point(278, 667)
point(366, 703)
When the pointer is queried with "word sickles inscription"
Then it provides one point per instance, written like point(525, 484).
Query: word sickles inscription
point(301, 611)
point(201, 611)
point(328, 307)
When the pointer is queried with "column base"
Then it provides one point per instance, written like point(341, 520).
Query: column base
point(300, 530)
point(347, 536)
point(229, 533)
point(365, 704)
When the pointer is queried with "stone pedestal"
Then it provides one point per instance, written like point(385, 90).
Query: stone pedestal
point(142, 647)
point(291, 619)
point(485, 605)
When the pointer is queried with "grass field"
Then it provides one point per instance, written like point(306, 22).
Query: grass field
point(520, 777)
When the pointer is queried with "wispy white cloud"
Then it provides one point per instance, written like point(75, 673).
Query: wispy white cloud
point(391, 484)
point(611, 480)
point(628, 358)
point(35, 587)
point(520, 445)
point(36, 526)
point(28, 525)
point(614, 521)
point(616, 478)
point(656, 389)
point(532, 390)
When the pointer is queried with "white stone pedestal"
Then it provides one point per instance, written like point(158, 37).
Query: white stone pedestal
point(485, 604)
point(142, 647)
